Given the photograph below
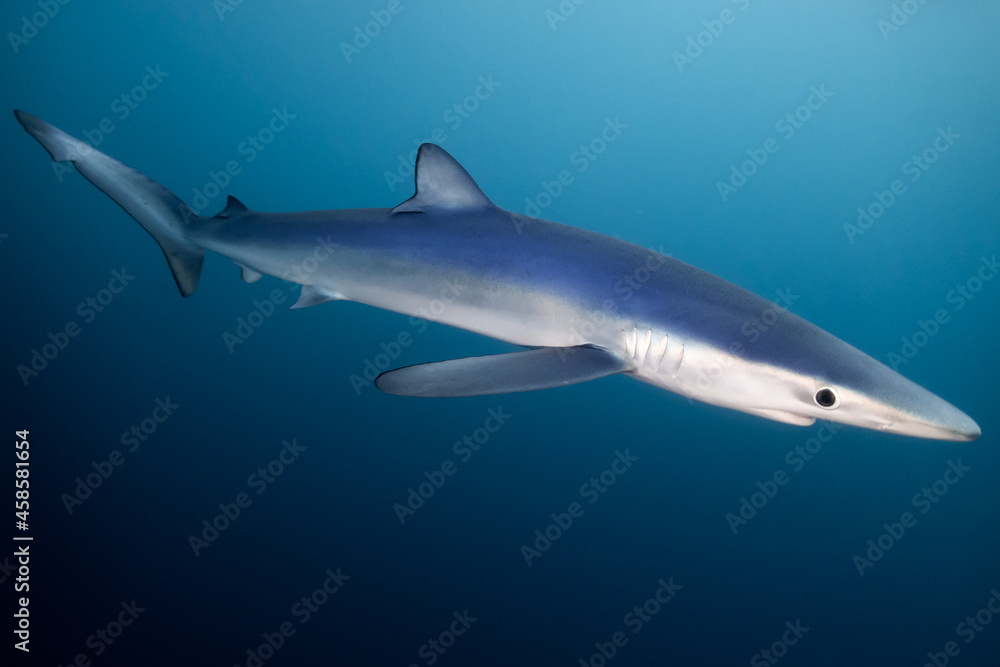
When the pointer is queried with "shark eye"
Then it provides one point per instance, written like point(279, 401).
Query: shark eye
point(827, 398)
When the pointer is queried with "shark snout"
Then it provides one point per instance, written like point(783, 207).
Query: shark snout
point(937, 419)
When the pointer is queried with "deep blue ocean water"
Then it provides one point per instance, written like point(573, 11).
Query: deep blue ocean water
point(741, 137)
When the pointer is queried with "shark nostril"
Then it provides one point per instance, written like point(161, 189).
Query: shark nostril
point(826, 398)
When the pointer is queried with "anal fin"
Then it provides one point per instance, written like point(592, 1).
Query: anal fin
point(313, 296)
point(249, 275)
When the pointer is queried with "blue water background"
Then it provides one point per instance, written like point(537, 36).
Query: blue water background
point(554, 87)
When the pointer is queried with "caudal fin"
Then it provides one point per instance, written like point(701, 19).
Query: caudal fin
point(157, 209)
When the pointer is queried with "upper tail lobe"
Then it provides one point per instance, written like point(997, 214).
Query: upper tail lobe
point(157, 209)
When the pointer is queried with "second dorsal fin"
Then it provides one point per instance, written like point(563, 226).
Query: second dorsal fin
point(233, 207)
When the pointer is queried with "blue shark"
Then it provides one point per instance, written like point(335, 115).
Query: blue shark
point(583, 305)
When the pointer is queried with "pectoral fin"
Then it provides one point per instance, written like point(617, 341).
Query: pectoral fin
point(786, 417)
point(529, 370)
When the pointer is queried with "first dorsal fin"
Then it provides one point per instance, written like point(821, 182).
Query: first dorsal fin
point(233, 206)
point(442, 183)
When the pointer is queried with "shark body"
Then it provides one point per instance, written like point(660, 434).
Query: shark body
point(588, 305)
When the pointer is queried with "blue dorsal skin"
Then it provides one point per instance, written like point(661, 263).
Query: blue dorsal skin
point(449, 255)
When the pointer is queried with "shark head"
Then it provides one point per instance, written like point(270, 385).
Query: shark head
point(798, 373)
point(862, 391)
